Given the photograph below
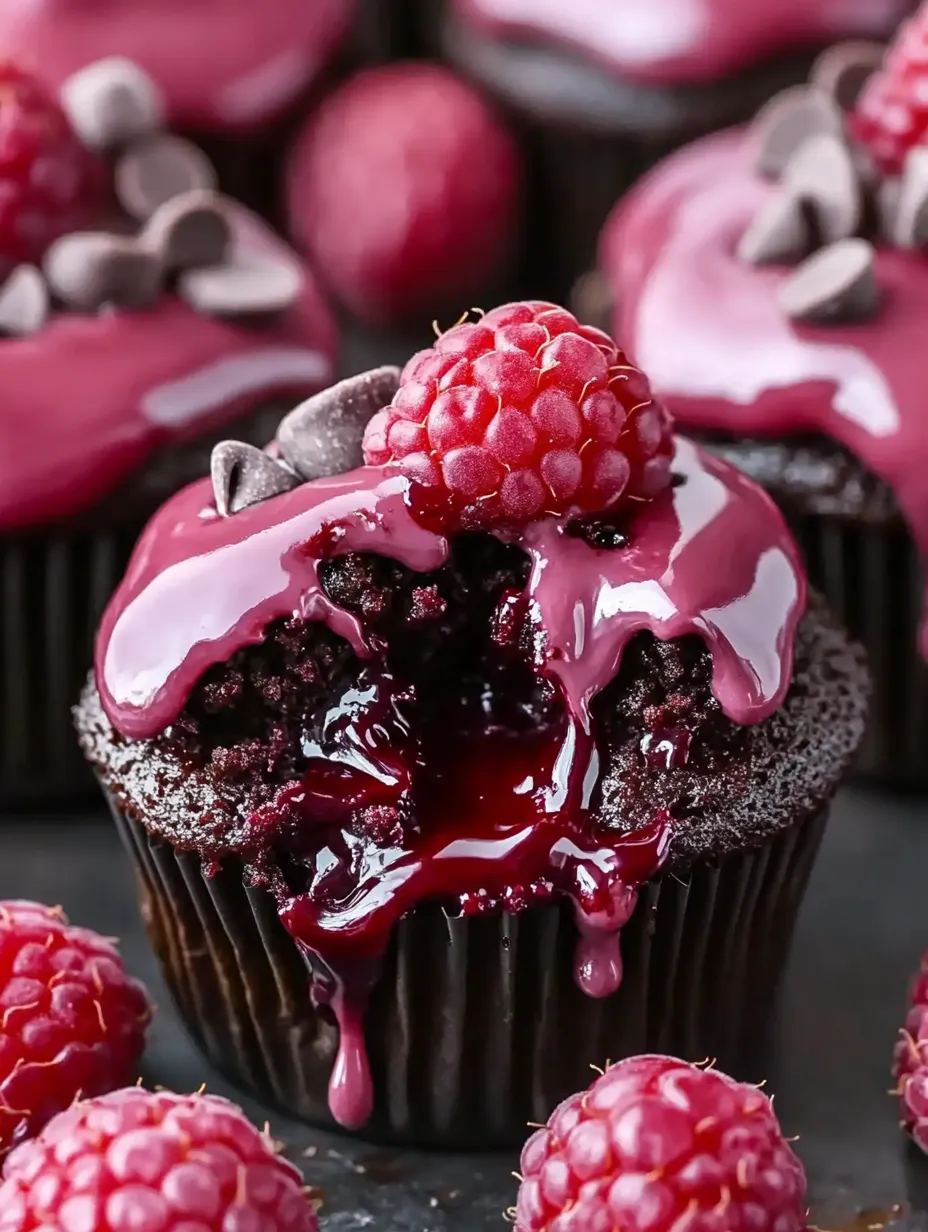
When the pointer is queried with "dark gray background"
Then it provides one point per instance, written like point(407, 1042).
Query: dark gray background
point(862, 931)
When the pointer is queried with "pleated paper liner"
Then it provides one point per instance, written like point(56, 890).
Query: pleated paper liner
point(872, 578)
point(476, 1026)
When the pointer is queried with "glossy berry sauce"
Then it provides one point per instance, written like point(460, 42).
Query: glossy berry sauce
point(476, 796)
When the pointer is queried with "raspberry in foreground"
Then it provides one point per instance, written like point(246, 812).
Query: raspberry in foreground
point(523, 413)
point(50, 184)
point(910, 1065)
point(134, 1161)
point(72, 1021)
point(404, 190)
point(658, 1145)
point(891, 114)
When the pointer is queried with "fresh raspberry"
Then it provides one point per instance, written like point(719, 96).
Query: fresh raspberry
point(133, 1161)
point(49, 183)
point(891, 115)
point(910, 1067)
point(658, 1145)
point(72, 1021)
point(404, 190)
point(522, 413)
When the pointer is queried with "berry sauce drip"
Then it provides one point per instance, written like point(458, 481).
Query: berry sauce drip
point(680, 40)
point(723, 356)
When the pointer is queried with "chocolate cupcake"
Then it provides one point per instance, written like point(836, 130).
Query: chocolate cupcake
point(127, 351)
point(435, 793)
point(232, 75)
point(605, 90)
point(773, 282)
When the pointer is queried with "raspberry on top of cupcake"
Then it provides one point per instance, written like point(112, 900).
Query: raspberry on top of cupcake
point(221, 64)
point(392, 657)
point(774, 284)
point(138, 306)
point(675, 41)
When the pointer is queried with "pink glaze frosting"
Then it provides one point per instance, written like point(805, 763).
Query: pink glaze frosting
point(676, 41)
point(222, 64)
point(87, 398)
point(502, 820)
point(719, 351)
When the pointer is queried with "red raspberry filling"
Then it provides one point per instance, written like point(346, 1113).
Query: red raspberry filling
point(521, 414)
point(891, 115)
point(50, 183)
point(658, 1145)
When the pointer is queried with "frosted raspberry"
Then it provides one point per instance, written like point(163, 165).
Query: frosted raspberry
point(658, 1145)
point(71, 1020)
point(891, 115)
point(133, 1161)
point(910, 1063)
point(524, 413)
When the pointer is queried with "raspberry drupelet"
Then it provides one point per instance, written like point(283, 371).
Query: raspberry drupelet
point(50, 183)
point(891, 115)
point(523, 413)
point(136, 1161)
point(659, 1145)
point(910, 1062)
point(72, 1021)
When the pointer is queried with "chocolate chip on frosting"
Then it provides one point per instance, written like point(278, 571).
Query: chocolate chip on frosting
point(910, 221)
point(822, 174)
point(154, 170)
point(835, 284)
point(779, 234)
point(89, 269)
point(24, 302)
point(112, 102)
point(190, 230)
point(842, 71)
point(787, 122)
point(243, 475)
point(256, 287)
point(323, 435)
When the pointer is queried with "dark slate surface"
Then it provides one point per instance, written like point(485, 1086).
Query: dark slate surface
point(864, 926)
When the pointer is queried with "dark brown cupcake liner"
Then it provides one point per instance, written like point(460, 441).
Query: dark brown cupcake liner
point(53, 588)
point(873, 580)
point(476, 1026)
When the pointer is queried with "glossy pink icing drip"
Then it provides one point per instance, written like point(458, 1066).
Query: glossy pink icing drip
point(222, 64)
point(674, 41)
point(88, 398)
point(712, 557)
point(707, 328)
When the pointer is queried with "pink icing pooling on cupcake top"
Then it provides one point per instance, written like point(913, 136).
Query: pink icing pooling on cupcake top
point(677, 41)
point(503, 820)
point(711, 557)
point(89, 397)
point(722, 354)
point(221, 64)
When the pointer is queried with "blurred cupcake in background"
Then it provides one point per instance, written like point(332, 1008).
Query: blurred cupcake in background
point(232, 74)
point(774, 281)
point(142, 313)
point(404, 190)
point(602, 90)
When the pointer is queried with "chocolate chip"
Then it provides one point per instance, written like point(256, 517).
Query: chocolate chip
point(910, 228)
point(190, 230)
point(842, 71)
point(243, 475)
point(822, 174)
point(111, 102)
point(779, 234)
point(787, 122)
point(323, 435)
point(154, 170)
point(835, 284)
point(592, 301)
point(23, 302)
point(88, 269)
point(256, 287)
